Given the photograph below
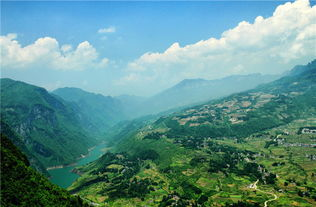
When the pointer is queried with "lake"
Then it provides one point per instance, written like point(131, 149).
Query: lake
point(64, 177)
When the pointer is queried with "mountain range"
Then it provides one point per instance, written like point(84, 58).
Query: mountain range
point(49, 124)
point(101, 112)
point(246, 149)
point(110, 110)
point(194, 91)
point(236, 141)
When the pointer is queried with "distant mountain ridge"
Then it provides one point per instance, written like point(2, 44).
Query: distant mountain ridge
point(101, 112)
point(186, 92)
point(194, 91)
point(299, 69)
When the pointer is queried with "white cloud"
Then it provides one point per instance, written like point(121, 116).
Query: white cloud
point(103, 63)
point(46, 52)
point(66, 48)
point(269, 45)
point(110, 29)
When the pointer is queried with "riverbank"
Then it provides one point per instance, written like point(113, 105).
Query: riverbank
point(64, 175)
point(67, 165)
point(74, 163)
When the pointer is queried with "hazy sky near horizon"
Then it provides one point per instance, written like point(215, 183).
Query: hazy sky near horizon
point(141, 48)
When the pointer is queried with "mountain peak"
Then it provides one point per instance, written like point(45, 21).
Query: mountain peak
point(190, 82)
point(298, 69)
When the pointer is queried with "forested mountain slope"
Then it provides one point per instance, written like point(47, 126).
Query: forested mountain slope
point(18, 142)
point(21, 185)
point(49, 127)
point(246, 149)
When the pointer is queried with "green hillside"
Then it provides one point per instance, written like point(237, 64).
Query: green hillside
point(21, 185)
point(247, 149)
point(18, 142)
point(48, 126)
point(100, 112)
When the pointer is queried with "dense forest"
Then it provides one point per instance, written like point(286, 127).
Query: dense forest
point(21, 185)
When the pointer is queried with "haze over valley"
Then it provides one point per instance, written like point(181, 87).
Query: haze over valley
point(158, 103)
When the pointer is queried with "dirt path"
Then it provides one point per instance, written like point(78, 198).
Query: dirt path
point(266, 202)
point(254, 186)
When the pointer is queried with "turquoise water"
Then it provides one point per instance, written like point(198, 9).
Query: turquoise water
point(64, 177)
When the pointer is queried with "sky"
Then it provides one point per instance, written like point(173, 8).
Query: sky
point(141, 48)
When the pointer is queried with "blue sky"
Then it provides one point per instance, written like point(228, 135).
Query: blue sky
point(123, 44)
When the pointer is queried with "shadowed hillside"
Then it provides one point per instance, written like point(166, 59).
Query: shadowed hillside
point(21, 185)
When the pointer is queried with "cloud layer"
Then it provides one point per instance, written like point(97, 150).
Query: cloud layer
point(46, 53)
point(269, 45)
point(266, 45)
point(110, 29)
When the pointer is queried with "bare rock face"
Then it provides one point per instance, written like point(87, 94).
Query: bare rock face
point(42, 113)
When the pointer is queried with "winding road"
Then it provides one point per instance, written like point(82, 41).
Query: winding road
point(254, 186)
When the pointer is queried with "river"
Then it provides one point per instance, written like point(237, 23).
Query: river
point(64, 177)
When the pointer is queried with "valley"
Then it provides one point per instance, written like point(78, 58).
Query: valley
point(64, 176)
point(251, 148)
point(254, 148)
point(158, 103)
point(217, 171)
